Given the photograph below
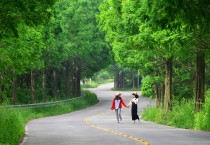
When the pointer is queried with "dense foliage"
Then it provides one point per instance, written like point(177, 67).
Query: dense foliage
point(168, 41)
point(47, 47)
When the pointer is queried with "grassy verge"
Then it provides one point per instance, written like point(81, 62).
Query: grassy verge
point(12, 121)
point(90, 85)
point(182, 115)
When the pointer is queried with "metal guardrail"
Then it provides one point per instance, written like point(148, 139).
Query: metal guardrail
point(37, 105)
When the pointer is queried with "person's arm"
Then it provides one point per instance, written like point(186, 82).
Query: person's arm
point(129, 104)
point(123, 103)
point(113, 105)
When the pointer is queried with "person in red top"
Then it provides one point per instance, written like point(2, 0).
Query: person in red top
point(117, 104)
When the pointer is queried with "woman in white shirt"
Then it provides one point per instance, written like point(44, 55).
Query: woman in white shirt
point(134, 107)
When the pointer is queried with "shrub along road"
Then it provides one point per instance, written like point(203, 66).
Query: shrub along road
point(97, 125)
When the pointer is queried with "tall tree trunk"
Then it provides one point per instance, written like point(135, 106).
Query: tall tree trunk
point(14, 97)
point(122, 79)
point(73, 77)
point(157, 93)
point(59, 80)
point(67, 79)
point(43, 86)
point(78, 88)
point(116, 77)
point(162, 92)
point(49, 82)
point(1, 96)
point(200, 80)
point(54, 83)
point(32, 87)
point(133, 80)
point(138, 80)
point(73, 84)
point(168, 86)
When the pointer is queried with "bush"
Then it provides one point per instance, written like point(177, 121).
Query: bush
point(11, 126)
point(146, 87)
point(202, 118)
point(153, 114)
point(182, 115)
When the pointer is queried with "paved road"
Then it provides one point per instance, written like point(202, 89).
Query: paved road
point(97, 126)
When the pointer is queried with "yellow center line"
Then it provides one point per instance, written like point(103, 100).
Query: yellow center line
point(86, 121)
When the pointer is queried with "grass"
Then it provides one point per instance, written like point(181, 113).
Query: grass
point(95, 84)
point(104, 81)
point(90, 85)
point(12, 121)
point(202, 119)
point(11, 126)
point(182, 115)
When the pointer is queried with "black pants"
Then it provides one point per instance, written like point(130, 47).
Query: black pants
point(134, 111)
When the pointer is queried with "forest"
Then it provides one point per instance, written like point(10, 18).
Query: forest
point(48, 46)
point(168, 41)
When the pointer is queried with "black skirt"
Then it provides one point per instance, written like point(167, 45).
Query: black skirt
point(134, 111)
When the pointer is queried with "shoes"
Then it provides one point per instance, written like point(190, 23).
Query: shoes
point(133, 121)
point(118, 122)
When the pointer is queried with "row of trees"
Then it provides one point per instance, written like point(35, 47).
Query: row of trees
point(165, 39)
point(46, 47)
point(125, 77)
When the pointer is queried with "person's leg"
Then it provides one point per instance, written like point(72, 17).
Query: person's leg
point(137, 116)
point(117, 115)
point(133, 111)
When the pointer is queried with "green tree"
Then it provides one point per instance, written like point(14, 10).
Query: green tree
point(14, 13)
point(144, 31)
point(84, 43)
point(14, 16)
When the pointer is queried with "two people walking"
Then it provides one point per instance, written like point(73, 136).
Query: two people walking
point(118, 103)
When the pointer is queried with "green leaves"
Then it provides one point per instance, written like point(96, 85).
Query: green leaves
point(29, 12)
point(156, 26)
point(147, 33)
point(22, 53)
point(77, 36)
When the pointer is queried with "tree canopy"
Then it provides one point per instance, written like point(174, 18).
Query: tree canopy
point(157, 35)
point(47, 47)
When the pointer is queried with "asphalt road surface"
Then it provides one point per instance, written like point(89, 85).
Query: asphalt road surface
point(97, 125)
